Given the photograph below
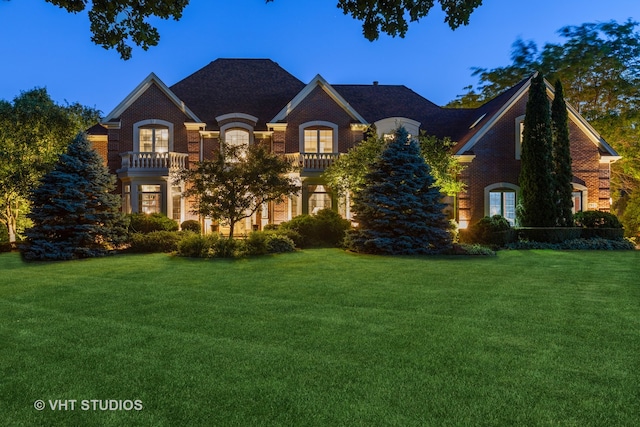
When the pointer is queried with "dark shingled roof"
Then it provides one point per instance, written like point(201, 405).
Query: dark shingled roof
point(259, 87)
point(97, 129)
point(376, 102)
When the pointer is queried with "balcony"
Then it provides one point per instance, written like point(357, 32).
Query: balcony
point(151, 164)
point(312, 162)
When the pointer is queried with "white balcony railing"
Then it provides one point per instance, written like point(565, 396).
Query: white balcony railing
point(313, 161)
point(153, 161)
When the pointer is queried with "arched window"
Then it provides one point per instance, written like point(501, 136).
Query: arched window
point(236, 137)
point(501, 199)
point(318, 137)
point(153, 136)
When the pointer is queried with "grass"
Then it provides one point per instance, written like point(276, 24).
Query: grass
point(323, 337)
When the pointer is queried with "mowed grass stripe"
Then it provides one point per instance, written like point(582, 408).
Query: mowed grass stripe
point(324, 337)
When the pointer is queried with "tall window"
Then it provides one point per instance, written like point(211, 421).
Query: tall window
point(154, 140)
point(176, 199)
point(236, 137)
point(577, 201)
point(503, 202)
point(149, 199)
point(318, 140)
point(319, 198)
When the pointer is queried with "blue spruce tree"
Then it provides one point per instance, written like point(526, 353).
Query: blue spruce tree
point(74, 213)
point(399, 209)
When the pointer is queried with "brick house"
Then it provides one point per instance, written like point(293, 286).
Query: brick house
point(157, 129)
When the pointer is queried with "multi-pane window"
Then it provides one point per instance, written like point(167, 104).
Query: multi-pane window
point(176, 198)
point(319, 198)
point(503, 203)
point(318, 140)
point(149, 199)
point(154, 140)
point(236, 137)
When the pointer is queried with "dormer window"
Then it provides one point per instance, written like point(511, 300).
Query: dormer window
point(236, 137)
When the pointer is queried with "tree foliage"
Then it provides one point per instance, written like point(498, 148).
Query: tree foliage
point(117, 23)
point(399, 210)
point(74, 213)
point(235, 184)
point(347, 173)
point(33, 132)
point(561, 157)
point(537, 206)
point(599, 65)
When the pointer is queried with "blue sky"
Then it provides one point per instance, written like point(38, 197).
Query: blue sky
point(44, 46)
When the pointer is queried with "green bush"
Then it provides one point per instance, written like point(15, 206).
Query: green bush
point(596, 219)
point(549, 234)
point(494, 230)
point(467, 249)
point(147, 223)
point(191, 225)
point(256, 243)
point(576, 244)
point(197, 246)
point(155, 241)
point(325, 228)
point(603, 233)
point(228, 248)
point(278, 243)
point(270, 227)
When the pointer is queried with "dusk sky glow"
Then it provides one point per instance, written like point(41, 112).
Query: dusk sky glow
point(44, 46)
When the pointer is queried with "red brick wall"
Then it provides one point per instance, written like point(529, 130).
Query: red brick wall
point(318, 105)
point(495, 162)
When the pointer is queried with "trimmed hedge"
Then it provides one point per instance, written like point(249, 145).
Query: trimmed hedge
point(325, 228)
point(155, 241)
point(548, 234)
point(191, 225)
point(596, 219)
point(147, 223)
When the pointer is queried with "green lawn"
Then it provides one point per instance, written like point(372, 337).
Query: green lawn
point(323, 337)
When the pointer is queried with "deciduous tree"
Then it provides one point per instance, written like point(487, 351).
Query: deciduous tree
point(115, 23)
point(236, 183)
point(33, 132)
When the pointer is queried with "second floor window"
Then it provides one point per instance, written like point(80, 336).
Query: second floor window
point(318, 140)
point(154, 140)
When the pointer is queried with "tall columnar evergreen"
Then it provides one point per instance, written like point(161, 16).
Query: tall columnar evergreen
point(399, 209)
point(74, 213)
point(562, 174)
point(537, 206)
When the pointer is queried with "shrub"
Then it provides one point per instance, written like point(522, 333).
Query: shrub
point(228, 248)
point(549, 234)
point(494, 230)
point(270, 227)
point(603, 233)
point(197, 246)
point(326, 228)
point(191, 225)
point(596, 219)
point(277, 243)
point(292, 235)
point(156, 241)
point(147, 223)
point(331, 227)
point(256, 243)
point(466, 249)
point(576, 244)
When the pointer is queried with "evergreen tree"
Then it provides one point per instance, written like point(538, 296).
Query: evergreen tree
point(537, 206)
point(562, 174)
point(399, 209)
point(74, 213)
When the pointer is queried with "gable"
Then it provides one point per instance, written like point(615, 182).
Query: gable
point(485, 123)
point(312, 89)
point(154, 83)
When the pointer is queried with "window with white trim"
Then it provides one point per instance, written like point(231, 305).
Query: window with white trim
point(319, 198)
point(318, 140)
point(503, 202)
point(149, 198)
point(154, 139)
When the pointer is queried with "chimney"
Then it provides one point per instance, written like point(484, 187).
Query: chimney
point(375, 83)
